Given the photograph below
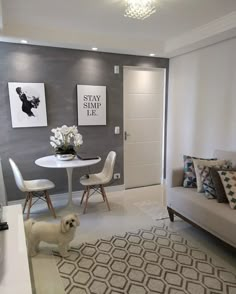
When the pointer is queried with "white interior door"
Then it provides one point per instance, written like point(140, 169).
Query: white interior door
point(144, 92)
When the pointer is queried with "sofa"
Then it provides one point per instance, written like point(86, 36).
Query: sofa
point(219, 219)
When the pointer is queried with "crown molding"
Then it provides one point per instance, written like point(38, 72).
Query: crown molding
point(215, 31)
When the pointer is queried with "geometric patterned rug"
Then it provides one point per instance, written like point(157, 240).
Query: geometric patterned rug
point(146, 261)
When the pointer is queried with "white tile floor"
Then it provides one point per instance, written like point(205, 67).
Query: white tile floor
point(130, 209)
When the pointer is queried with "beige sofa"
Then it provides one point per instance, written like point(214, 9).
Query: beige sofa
point(217, 218)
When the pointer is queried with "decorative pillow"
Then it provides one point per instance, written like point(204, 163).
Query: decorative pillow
point(228, 179)
point(207, 183)
point(190, 180)
point(206, 179)
point(209, 163)
point(219, 188)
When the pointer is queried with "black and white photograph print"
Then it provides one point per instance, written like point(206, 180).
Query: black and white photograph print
point(28, 105)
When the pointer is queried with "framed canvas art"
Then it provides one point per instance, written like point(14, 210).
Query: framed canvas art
point(91, 105)
point(28, 105)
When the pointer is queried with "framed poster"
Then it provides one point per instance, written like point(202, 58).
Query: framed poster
point(28, 105)
point(91, 105)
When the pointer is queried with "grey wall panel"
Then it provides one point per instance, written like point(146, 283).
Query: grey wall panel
point(61, 70)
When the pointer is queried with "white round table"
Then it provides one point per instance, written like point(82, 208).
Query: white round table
point(52, 162)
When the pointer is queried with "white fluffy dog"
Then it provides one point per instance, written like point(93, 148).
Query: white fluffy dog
point(61, 234)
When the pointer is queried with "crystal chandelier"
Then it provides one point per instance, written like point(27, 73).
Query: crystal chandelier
point(139, 9)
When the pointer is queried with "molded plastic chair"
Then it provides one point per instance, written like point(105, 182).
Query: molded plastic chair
point(33, 188)
point(97, 181)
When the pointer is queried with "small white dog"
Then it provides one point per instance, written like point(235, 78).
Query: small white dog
point(61, 233)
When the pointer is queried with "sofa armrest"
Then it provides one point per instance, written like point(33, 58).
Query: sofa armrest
point(177, 177)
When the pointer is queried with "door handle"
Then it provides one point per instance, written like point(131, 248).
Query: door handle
point(126, 135)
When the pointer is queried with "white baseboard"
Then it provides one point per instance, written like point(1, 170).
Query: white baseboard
point(75, 194)
point(164, 182)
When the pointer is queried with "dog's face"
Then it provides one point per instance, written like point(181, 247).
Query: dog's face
point(68, 222)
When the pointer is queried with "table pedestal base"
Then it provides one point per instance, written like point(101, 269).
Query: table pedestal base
point(52, 162)
point(70, 203)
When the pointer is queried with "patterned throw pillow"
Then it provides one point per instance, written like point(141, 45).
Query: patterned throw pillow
point(209, 163)
point(207, 183)
point(206, 179)
point(219, 188)
point(190, 180)
point(228, 179)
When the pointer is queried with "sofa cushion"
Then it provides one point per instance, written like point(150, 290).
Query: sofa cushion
point(228, 179)
point(217, 218)
point(190, 180)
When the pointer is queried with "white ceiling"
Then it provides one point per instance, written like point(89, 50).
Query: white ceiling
point(177, 27)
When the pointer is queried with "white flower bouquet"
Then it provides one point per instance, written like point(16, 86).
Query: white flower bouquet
point(66, 140)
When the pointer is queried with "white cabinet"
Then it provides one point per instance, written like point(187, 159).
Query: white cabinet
point(14, 266)
point(3, 198)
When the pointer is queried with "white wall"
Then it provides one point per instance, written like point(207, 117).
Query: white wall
point(202, 103)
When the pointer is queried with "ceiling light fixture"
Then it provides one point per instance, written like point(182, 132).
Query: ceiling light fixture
point(94, 49)
point(24, 41)
point(152, 54)
point(140, 9)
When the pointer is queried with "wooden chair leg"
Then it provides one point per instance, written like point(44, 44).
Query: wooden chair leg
point(86, 200)
point(45, 196)
point(82, 198)
point(26, 200)
point(49, 202)
point(105, 197)
point(52, 208)
point(102, 193)
point(29, 204)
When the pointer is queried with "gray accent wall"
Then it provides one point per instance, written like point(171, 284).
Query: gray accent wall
point(61, 70)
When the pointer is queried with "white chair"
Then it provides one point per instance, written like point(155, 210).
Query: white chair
point(37, 188)
point(97, 181)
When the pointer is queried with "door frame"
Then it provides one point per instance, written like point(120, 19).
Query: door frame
point(164, 118)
